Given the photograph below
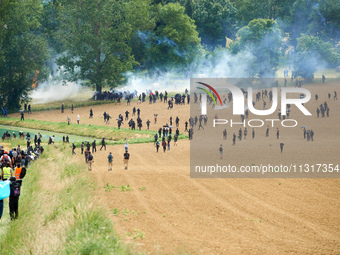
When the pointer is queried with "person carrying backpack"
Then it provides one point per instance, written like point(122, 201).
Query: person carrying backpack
point(6, 159)
point(14, 198)
point(157, 145)
point(126, 159)
point(109, 159)
point(90, 161)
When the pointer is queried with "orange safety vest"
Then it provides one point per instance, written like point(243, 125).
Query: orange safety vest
point(17, 172)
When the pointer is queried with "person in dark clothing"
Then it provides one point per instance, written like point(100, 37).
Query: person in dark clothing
point(148, 124)
point(67, 139)
point(164, 144)
point(126, 160)
point(22, 116)
point(94, 149)
point(14, 198)
point(103, 144)
point(281, 146)
point(82, 147)
point(157, 145)
point(156, 138)
point(73, 148)
point(88, 146)
point(29, 109)
point(91, 114)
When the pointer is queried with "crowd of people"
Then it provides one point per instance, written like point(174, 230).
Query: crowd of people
point(13, 168)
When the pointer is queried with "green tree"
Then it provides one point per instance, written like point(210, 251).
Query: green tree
point(174, 40)
point(23, 50)
point(312, 52)
point(215, 21)
point(96, 35)
point(262, 39)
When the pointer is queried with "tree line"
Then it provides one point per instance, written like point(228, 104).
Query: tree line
point(98, 42)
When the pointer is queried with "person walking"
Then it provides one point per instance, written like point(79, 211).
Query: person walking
point(78, 119)
point(14, 198)
point(110, 159)
point(103, 144)
point(82, 148)
point(90, 161)
point(157, 145)
point(126, 160)
point(221, 151)
point(73, 148)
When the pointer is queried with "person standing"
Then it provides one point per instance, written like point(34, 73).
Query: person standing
point(14, 198)
point(175, 139)
point(68, 120)
point(126, 146)
point(312, 135)
point(82, 147)
point(7, 171)
point(277, 133)
point(72, 108)
point(94, 146)
point(221, 151)
point(78, 119)
point(22, 116)
point(281, 146)
point(126, 160)
point(157, 145)
point(110, 159)
point(164, 144)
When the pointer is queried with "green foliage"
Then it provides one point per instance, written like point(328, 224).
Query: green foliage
point(214, 20)
point(96, 37)
point(262, 39)
point(311, 53)
point(173, 41)
point(22, 49)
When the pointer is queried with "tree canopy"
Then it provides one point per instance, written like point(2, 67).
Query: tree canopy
point(98, 42)
point(262, 39)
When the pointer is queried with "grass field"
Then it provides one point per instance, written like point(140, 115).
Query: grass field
point(57, 213)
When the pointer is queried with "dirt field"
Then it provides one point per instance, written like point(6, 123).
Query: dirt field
point(216, 216)
point(147, 112)
point(176, 214)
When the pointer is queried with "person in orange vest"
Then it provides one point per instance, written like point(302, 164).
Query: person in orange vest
point(17, 173)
